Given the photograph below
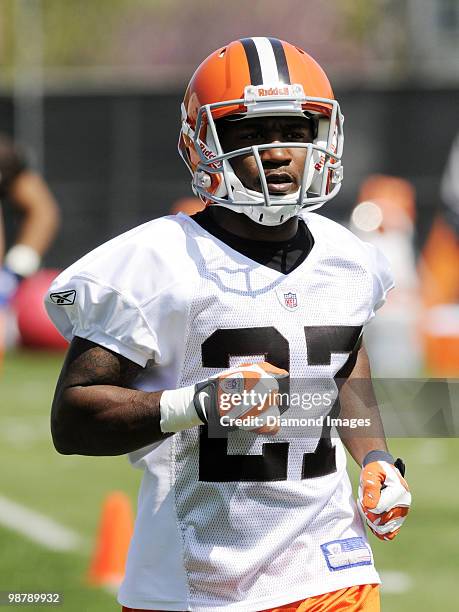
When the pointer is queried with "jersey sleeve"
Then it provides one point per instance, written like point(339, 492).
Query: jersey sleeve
point(381, 273)
point(81, 306)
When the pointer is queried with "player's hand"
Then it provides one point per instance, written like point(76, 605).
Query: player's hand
point(9, 283)
point(384, 498)
point(248, 392)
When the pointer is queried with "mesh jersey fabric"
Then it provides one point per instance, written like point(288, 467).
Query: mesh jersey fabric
point(243, 523)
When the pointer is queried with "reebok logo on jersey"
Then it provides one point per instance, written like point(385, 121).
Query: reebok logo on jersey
point(63, 298)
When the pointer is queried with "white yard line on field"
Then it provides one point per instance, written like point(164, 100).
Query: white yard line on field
point(431, 452)
point(51, 535)
point(395, 582)
point(20, 432)
point(37, 527)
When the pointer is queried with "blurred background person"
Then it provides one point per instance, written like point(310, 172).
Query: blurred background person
point(439, 271)
point(29, 194)
point(440, 257)
point(385, 215)
point(25, 191)
point(450, 191)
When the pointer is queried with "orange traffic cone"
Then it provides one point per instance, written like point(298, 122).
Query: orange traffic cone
point(113, 538)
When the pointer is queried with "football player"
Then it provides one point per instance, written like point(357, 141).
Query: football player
point(29, 194)
point(187, 333)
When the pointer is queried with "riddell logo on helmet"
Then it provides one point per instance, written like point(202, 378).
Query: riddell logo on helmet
point(209, 154)
point(320, 163)
point(273, 91)
point(318, 166)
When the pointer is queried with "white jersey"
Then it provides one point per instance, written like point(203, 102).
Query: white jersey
point(245, 522)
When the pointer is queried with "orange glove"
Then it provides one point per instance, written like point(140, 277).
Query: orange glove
point(384, 497)
point(242, 397)
point(237, 394)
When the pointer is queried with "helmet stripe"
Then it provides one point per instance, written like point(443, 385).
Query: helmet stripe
point(253, 60)
point(267, 60)
point(281, 60)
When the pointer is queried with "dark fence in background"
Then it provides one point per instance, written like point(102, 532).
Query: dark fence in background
point(111, 159)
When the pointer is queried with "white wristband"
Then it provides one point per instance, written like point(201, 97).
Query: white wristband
point(22, 259)
point(177, 410)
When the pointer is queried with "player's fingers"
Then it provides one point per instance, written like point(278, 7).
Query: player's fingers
point(371, 480)
point(266, 394)
point(268, 419)
point(259, 409)
point(392, 495)
point(383, 532)
point(395, 513)
point(389, 527)
point(386, 517)
point(385, 536)
point(248, 375)
point(371, 493)
point(391, 535)
point(269, 368)
point(374, 532)
point(255, 405)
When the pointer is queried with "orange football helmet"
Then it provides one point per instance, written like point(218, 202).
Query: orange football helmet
point(255, 77)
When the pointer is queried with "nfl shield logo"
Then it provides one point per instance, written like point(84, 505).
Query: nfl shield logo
point(288, 297)
point(290, 300)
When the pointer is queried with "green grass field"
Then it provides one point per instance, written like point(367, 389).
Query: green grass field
point(70, 490)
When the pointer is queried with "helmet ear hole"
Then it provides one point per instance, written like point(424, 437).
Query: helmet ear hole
point(203, 179)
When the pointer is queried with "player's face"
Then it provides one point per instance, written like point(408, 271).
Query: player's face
point(283, 167)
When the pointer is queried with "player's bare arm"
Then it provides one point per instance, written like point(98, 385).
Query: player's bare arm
point(384, 498)
point(95, 412)
point(39, 212)
point(358, 401)
point(41, 216)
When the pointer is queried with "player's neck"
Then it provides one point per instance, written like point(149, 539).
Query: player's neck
point(240, 225)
